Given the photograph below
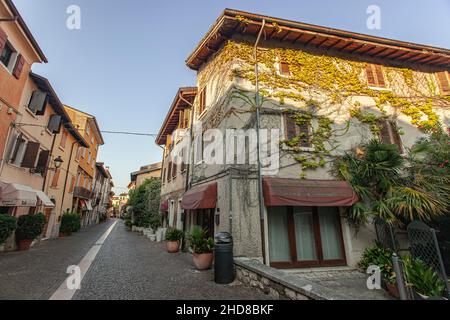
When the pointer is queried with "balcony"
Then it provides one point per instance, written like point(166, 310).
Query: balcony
point(83, 193)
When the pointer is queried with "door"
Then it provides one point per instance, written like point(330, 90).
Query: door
point(205, 219)
point(305, 237)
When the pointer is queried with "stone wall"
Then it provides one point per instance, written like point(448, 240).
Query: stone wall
point(280, 285)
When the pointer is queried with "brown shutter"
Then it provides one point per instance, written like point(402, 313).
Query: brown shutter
point(384, 131)
point(72, 185)
point(444, 81)
point(202, 100)
point(20, 62)
point(30, 154)
point(380, 76)
point(42, 163)
point(3, 39)
point(63, 141)
point(174, 170)
point(284, 69)
point(305, 141)
point(169, 171)
point(55, 178)
point(291, 127)
point(370, 76)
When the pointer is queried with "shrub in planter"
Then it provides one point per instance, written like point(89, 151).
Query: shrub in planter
point(202, 248)
point(379, 256)
point(424, 281)
point(7, 226)
point(70, 222)
point(29, 227)
point(173, 237)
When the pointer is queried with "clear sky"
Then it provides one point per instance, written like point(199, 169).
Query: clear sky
point(126, 62)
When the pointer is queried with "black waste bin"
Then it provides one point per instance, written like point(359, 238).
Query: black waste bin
point(223, 258)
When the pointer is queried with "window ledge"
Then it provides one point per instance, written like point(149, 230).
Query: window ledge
point(31, 113)
point(379, 88)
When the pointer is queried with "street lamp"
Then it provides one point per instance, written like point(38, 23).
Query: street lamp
point(58, 162)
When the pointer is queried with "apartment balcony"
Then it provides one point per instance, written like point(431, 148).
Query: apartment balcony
point(83, 193)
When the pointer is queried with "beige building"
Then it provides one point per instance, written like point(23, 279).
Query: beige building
point(320, 88)
point(144, 173)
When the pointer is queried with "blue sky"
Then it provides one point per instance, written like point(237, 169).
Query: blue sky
point(127, 61)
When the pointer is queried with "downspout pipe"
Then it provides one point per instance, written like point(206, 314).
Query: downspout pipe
point(258, 146)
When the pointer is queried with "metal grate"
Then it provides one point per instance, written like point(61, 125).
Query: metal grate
point(424, 246)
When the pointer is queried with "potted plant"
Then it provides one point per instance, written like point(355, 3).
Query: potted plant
point(202, 248)
point(7, 226)
point(70, 222)
point(424, 281)
point(29, 227)
point(379, 256)
point(173, 237)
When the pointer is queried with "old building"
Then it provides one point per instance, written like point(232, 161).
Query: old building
point(322, 92)
point(146, 172)
point(174, 176)
point(102, 191)
point(83, 194)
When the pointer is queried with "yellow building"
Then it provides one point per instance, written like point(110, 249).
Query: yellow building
point(86, 158)
point(144, 173)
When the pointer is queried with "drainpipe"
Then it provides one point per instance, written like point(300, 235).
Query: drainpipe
point(258, 123)
point(51, 155)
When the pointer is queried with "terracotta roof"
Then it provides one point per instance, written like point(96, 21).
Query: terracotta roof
point(171, 121)
point(25, 29)
point(233, 22)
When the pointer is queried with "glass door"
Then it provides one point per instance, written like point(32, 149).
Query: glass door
point(305, 240)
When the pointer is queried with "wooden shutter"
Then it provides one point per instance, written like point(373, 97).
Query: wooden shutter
point(56, 178)
point(63, 141)
point(375, 76)
point(20, 62)
point(42, 163)
point(306, 140)
point(396, 136)
point(54, 124)
point(202, 100)
point(174, 170)
point(290, 127)
point(38, 101)
point(72, 184)
point(13, 140)
point(30, 154)
point(444, 81)
point(169, 171)
point(284, 69)
point(3, 39)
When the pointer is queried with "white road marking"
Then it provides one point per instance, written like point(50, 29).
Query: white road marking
point(63, 292)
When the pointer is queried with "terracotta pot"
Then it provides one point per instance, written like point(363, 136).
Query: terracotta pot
point(393, 290)
point(173, 246)
point(25, 244)
point(203, 261)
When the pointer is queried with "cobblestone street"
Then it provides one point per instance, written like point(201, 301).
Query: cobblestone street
point(128, 266)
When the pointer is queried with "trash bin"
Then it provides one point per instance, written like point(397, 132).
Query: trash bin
point(223, 258)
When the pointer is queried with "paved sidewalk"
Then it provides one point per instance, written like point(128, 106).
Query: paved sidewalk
point(37, 273)
point(129, 266)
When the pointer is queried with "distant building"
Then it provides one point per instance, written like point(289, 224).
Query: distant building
point(144, 173)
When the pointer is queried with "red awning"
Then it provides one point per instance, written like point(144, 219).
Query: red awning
point(308, 193)
point(164, 206)
point(200, 197)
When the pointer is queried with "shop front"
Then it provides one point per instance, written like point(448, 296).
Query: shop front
point(304, 223)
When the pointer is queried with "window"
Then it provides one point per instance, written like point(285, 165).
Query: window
point(19, 150)
point(389, 134)
point(72, 184)
point(375, 76)
point(89, 156)
point(7, 55)
point(54, 124)
point(284, 69)
point(88, 129)
point(444, 82)
point(38, 102)
point(55, 178)
point(83, 153)
point(77, 157)
point(293, 131)
point(202, 101)
point(169, 171)
point(174, 170)
point(63, 141)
